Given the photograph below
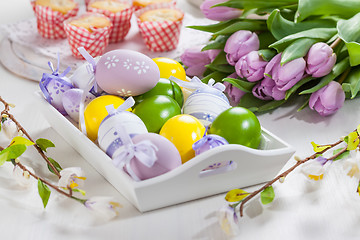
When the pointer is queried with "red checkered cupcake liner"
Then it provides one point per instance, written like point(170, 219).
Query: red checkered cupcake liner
point(159, 36)
point(136, 7)
point(50, 24)
point(120, 21)
point(94, 42)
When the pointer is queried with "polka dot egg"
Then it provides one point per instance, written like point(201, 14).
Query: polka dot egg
point(126, 73)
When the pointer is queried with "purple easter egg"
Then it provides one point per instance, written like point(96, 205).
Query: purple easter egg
point(126, 73)
point(208, 142)
point(56, 90)
point(71, 102)
point(168, 157)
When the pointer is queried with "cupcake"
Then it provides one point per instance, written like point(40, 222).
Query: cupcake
point(91, 31)
point(144, 3)
point(51, 14)
point(160, 26)
point(119, 12)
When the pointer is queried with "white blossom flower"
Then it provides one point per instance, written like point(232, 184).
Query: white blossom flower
point(23, 178)
point(104, 207)
point(228, 220)
point(315, 169)
point(71, 177)
point(10, 129)
point(352, 165)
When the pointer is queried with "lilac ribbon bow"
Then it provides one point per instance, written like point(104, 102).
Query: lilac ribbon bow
point(129, 102)
point(55, 75)
point(196, 83)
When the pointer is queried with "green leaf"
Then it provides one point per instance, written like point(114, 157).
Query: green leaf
point(297, 49)
point(353, 141)
point(297, 86)
point(336, 71)
point(349, 32)
point(44, 192)
point(268, 195)
point(44, 144)
point(225, 68)
point(241, 84)
point(220, 58)
point(341, 8)
point(213, 28)
point(265, 39)
point(217, 76)
point(281, 27)
point(236, 195)
point(341, 156)
point(353, 81)
point(250, 102)
point(267, 54)
point(12, 152)
point(55, 164)
point(254, 25)
point(271, 105)
point(21, 140)
point(320, 34)
point(305, 104)
point(218, 43)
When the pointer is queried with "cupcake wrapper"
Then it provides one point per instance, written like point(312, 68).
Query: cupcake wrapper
point(50, 24)
point(94, 42)
point(136, 7)
point(121, 22)
point(159, 36)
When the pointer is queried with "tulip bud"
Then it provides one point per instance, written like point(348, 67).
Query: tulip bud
point(195, 60)
point(234, 94)
point(320, 60)
point(287, 75)
point(251, 66)
point(219, 13)
point(327, 100)
point(267, 90)
point(240, 43)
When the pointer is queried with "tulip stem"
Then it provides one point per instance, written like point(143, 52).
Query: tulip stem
point(285, 173)
point(336, 42)
point(344, 75)
point(20, 128)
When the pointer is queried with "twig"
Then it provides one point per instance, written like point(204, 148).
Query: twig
point(20, 128)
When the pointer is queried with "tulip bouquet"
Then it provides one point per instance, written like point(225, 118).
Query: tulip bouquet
point(267, 52)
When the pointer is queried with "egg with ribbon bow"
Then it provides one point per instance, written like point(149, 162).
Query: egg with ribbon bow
point(208, 142)
point(126, 73)
point(54, 85)
point(146, 156)
point(72, 100)
point(206, 102)
point(111, 135)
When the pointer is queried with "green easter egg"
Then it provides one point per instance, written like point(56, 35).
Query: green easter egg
point(238, 125)
point(163, 87)
point(156, 110)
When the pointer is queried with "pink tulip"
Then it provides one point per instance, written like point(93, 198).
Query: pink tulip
point(327, 100)
point(320, 60)
point(219, 13)
point(267, 90)
point(251, 66)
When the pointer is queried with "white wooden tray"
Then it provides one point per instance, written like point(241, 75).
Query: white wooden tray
point(187, 182)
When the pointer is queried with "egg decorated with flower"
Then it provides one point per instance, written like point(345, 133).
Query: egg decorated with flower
point(96, 111)
point(164, 87)
point(126, 73)
point(72, 99)
point(183, 131)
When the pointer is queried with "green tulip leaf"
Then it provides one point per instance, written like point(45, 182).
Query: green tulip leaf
point(252, 25)
point(218, 43)
point(297, 49)
point(267, 54)
point(213, 28)
point(270, 105)
point(281, 27)
point(320, 34)
point(217, 76)
point(338, 69)
point(349, 32)
point(250, 102)
point(220, 58)
point(225, 68)
point(353, 81)
point(268, 195)
point(297, 86)
point(265, 39)
point(241, 84)
point(345, 9)
point(44, 192)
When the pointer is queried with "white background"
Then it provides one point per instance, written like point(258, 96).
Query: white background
point(329, 209)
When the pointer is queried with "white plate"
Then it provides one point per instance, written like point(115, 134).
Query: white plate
point(187, 182)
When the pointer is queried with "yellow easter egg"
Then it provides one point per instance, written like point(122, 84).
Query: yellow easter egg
point(183, 131)
point(95, 112)
point(169, 67)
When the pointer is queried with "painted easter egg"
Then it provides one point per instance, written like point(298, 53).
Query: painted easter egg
point(163, 87)
point(115, 129)
point(54, 91)
point(183, 131)
point(126, 73)
point(167, 155)
point(156, 110)
point(238, 125)
point(206, 104)
point(208, 142)
point(169, 67)
point(83, 75)
point(71, 101)
point(96, 111)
